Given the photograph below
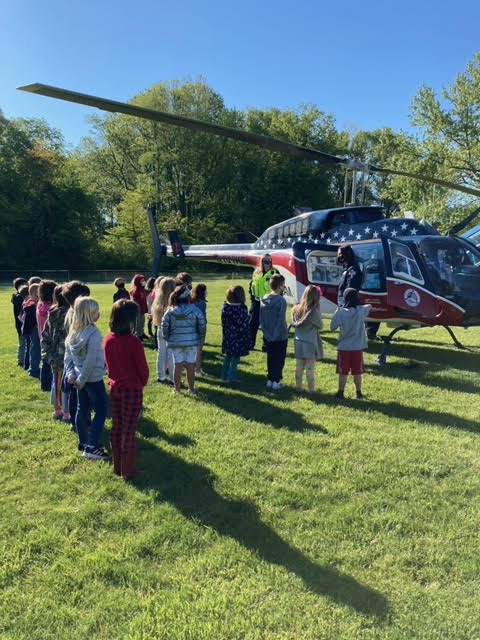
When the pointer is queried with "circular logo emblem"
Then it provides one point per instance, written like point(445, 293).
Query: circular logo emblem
point(411, 297)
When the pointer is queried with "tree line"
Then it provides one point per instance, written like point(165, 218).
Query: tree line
point(86, 208)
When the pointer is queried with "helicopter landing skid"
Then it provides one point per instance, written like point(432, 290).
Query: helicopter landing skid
point(458, 344)
point(382, 358)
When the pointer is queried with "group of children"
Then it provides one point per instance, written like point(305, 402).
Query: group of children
point(58, 342)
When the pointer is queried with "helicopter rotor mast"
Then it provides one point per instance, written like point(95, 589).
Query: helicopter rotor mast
point(266, 142)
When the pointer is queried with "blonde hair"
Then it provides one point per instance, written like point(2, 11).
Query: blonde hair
point(310, 299)
point(84, 309)
point(162, 294)
point(33, 289)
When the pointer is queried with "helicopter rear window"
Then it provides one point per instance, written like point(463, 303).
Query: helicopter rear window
point(322, 267)
point(404, 264)
point(305, 225)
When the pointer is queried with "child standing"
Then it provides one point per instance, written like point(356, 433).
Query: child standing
point(307, 321)
point(140, 297)
point(17, 302)
point(53, 352)
point(127, 375)
point(29, 329)
point(275, 331)
point(121, 293)
point(45, 292)
point(352, 340)
point(150, 296)
point(199, 299)
point(236, 338)
point(85, 368)
point(183, 327)
point(164, 289)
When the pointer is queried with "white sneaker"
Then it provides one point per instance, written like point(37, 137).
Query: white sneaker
point(269, 384)
point(276, 386)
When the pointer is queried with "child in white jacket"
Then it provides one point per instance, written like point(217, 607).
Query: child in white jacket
point(85, 368)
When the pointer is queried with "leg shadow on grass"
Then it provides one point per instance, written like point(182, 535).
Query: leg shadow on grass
point(190, 489)
point(250, 407)
point(149, 429)
point(432, 377)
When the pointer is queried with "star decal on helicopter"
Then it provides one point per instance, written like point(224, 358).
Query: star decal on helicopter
point(328, 241)
point(384, 227)
point(375, 234)
point(350, 232)
point(413, 232)
point(336, 234)
point(322, 235)
point(404, 226)
point(394, 233)
point(367, 230)
point(342, 239)
point(358, 236)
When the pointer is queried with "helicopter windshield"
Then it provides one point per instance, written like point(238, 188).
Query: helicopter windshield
point(450, 263)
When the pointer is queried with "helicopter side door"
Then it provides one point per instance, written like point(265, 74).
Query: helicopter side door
point(323, 270)
point(407, 290)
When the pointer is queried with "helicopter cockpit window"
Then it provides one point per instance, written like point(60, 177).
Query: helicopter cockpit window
point(450, 264)
point(322, 268)
point(404, 264)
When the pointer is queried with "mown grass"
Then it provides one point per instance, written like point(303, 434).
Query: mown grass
point(256, 515)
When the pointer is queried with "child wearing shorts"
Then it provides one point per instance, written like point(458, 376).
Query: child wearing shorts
point(183, 327)
point(352, 340)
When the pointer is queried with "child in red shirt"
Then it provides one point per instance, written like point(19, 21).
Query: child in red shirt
point(127, 375)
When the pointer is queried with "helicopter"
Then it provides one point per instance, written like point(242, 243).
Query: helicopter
point(412, 276)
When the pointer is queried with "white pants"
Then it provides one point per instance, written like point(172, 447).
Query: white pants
point(164, 358)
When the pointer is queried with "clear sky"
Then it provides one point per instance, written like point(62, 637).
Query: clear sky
point(360, 61)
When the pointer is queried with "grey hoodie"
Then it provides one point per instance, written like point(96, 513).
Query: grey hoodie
point(352, 327)
point(272, 318)
point(84, 359)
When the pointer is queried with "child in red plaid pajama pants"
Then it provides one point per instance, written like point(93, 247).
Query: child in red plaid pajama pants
point(127, 375)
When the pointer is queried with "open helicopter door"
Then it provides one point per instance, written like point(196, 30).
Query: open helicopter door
point(407, 290)
point(317, 264)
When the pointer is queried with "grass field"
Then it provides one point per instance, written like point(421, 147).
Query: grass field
point(257, 516)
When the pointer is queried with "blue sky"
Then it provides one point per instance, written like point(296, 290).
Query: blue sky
point(361, 62)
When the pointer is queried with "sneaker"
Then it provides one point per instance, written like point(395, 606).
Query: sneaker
point(95, 454)
point(200, 374)
point(339, 395)
point(175, 392)
point(57, 415)
point(269, 384)
point(192, 392)
point(66, 417)
point(162, 381)
point(276, 386)
point(358, 395)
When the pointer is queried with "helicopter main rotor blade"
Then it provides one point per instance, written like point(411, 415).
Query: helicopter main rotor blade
point(419, 176)
point(266, 142)
point(169, 118)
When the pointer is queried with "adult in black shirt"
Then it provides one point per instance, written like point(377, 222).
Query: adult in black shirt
point(352, 275)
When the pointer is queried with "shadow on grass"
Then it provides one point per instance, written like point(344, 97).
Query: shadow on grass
point(254, 408)
point(150, 429)
point(402, 412)
point(426, 377)
point(189, 488)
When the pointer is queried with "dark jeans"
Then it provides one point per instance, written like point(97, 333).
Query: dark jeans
point(34, 355)
point(46, 376)
point(91, 397)
point(254, 321)
point(276, 352)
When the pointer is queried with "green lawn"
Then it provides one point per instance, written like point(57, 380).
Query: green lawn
point(256, 515)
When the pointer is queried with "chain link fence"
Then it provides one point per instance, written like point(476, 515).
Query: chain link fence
point(109, 275)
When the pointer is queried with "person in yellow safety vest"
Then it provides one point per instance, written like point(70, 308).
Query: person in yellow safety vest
point(258, 288)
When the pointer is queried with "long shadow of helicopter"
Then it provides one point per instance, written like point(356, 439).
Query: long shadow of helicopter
point(190, 489)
